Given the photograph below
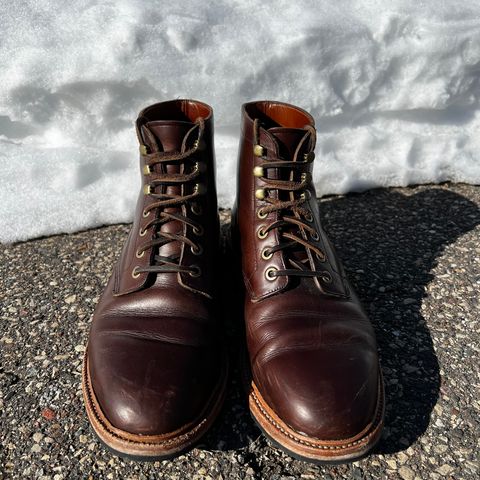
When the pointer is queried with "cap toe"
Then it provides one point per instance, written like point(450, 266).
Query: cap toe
point(149, 386)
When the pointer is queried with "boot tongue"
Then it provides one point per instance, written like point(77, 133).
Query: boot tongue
point(169, 136)
point(166, 136)
point(288, 140)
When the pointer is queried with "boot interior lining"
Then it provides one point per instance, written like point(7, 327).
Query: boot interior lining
point(272, 114)
point(177, 110)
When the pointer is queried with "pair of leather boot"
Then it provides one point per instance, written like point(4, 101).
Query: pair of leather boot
point(155, 368)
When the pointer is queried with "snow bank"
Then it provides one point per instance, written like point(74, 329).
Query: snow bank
point(394, 87)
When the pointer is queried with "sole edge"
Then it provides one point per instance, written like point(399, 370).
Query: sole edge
point(310, 449)
point(150, 448)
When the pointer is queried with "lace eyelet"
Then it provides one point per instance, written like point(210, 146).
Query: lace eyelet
point(306, 195)
point(196, 209)
point(262, 234)
point(199, 145)
point(260, 194)
point(199, 167)
point(199, 189)
point(258, 150)
point(261, 214)
point(135, 273)
point(268, 274)
point(139, 254)
point(326, 277)
point(258, 171)
point(197, 251)
point(309, 157)
point(321, 258)
point(147, 189)
point(195, 272)
point(142, 232)
point(315, 236)
point(266, 255)
point(198, 231)
point(146, 214)
point(308, 217)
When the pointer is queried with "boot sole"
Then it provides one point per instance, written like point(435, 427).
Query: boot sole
point(310, 449)
point(150, 447)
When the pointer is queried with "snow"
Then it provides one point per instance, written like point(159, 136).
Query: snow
point(393, 86)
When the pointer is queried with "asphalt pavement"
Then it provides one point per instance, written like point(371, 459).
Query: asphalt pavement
point(413, 255)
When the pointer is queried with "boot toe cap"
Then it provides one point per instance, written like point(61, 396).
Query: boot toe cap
point(147, 387)
point(321, 394)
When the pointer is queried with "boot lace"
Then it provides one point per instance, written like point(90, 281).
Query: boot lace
point(292, 213)
point(163, 263)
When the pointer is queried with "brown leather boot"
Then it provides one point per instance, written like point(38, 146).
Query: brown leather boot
point(316, 387)
point(155, 370)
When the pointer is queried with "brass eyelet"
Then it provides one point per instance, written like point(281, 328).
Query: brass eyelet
point(258, 171)
point(135, 273)
point(304, 176)
point(146, 214)
point(306, 195)
point(142, 232)
point(261, 214)
point(199, 231)
point(268, 274)
point(199, 145)
point(260, 194)
point(308, 217)
point(258, 151)
point(147, 189)
point(266, 255)
point(262, 234)
point(309, 157)
point(315, 236)
point(196, 209)
point(199, 188)
point(147, 170)
point(195, 272)
point(143, 149)
point(139, 254)
point(197, 251)
point(198, 167)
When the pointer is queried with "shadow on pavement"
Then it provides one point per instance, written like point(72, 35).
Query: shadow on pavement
point(389, 243)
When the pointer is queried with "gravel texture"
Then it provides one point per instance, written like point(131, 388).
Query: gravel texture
point(412, 254)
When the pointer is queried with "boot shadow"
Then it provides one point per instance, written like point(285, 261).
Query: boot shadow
point(388, 242)
point(234, 429)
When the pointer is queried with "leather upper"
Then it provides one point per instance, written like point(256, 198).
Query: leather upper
point(173, 122)
point(312, 349)
point(154, 351)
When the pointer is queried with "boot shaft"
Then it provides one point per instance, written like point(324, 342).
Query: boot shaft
point(275, 133)
point(176, 160)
